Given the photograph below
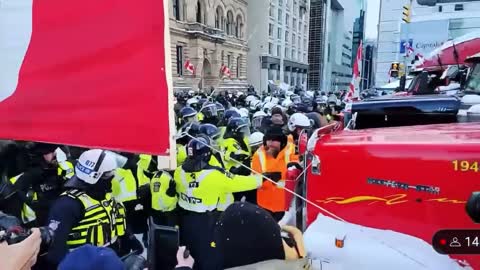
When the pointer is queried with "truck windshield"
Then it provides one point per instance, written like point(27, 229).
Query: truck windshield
point(473, 84)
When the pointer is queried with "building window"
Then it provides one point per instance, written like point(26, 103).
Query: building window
point(287, 19)
point(176, 9)
point(294, 40)
point(229, 23)
point(199, 12)
point(219, 18)
point(286, 53)
point(299, 42)
point(280, 16)
point(280, 2)
point(279, 51)
point(229, 61)
point(239, 66)
point(223, 58)
point(239, 27)
point(286, 36)
point(279, 33)
point(305, 57)
point(328, 53)
point(270, 30)
point(294, 25)
point(270, 11)
point(293, 54)
point(179, 60)
point(270, 48)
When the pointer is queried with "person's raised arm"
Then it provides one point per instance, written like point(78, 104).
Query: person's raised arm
point(22, 255)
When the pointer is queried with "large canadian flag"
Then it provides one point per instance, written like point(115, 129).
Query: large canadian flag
point(87, 73)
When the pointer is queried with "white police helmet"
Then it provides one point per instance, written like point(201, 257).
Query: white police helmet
point(298, 120)
point(255, 139)
point(95, 164)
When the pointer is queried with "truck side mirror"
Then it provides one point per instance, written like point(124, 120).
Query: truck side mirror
point(302, 143)
point(473, 207)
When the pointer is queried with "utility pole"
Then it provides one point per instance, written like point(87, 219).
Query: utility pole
point(407, 14)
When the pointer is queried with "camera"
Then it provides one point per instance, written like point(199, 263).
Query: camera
point(12, 232)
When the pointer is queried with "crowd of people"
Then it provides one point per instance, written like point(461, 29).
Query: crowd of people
point(236, 155)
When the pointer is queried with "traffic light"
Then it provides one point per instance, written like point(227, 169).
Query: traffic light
point(406, 14)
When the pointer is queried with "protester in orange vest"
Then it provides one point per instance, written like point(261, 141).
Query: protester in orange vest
point(271, 160)
point(296, 124)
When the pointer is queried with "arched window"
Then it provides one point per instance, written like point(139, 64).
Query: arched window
point(229, 23)
point(219, 18)
point(239, 27)
point(199, 12)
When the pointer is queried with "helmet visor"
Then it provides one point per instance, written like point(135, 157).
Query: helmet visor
point(210, 111)
point(244, 130)
point(257, 122)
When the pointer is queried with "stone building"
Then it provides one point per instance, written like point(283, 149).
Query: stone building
point(208, 34)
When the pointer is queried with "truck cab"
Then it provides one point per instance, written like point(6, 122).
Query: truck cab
point(470, 108)
point(412, 180)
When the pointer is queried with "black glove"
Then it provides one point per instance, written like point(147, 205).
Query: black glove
point(135, 244)
point(172, 188)
point(275, 176)
point(143, 191)
point(240, 171)
point(239, 157)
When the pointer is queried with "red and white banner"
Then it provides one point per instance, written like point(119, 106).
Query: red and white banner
point(190, 67)
point(225, 71)
point(88, 73)
point(354, 90)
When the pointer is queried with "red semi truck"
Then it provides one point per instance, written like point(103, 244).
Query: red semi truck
point(412, 180)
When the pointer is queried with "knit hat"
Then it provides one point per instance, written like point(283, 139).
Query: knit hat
point(247, 234)
point(275, 133)
point(92, 258)
point(277, 110)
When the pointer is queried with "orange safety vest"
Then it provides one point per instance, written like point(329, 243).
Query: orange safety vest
point(270, 196)
point(290, 139)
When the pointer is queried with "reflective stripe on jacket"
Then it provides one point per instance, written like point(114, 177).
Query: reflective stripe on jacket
point(271, 196)
point(161, 201)
point(200, 191)
point(124, 185)
point(102, 222)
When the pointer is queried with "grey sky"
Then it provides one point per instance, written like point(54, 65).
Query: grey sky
point(373, 7)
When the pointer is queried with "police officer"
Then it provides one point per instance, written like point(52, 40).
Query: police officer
point(230, 113)
point(184, 135)
point(164, 199)
point(30, 194)
point(213, 133)
point(199, 186)
point(86, 213)
point(187, 115)
point(209, 113)
point(133, 192)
